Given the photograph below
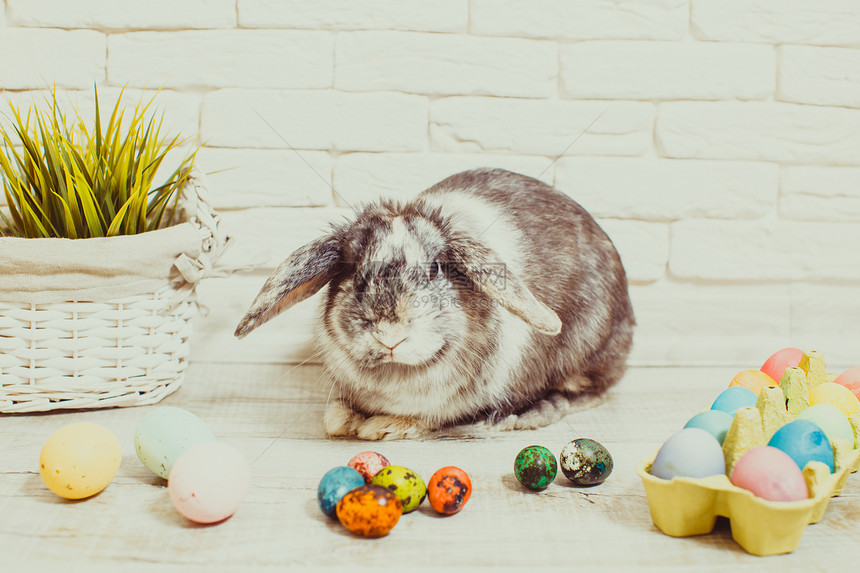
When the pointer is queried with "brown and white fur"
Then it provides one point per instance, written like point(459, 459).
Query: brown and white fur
point(491, 296)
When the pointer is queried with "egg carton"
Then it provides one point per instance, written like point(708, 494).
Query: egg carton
point(683, 506)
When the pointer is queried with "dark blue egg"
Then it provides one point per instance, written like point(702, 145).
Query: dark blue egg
point(335, 484)
point(804, 442)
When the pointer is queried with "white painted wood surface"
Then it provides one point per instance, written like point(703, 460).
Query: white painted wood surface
point(273, 414)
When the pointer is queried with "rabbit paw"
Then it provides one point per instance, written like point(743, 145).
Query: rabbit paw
point(384, 427)
point(340, 420)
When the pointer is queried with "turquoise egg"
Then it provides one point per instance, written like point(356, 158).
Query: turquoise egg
point(804, 442)
point(166, 433)
point(336, 483)
point(715, 422)
point(731, 399)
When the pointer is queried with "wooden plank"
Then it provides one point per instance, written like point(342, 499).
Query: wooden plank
point(272, 413)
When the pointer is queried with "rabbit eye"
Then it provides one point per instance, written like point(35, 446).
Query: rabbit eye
point(434, 270)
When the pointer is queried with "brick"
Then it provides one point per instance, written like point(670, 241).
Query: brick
point(363, 177)
point(267, 177)
point(222, 58)
point(825, 76)
point(286, 338)
point(582, 20)
point(764, 251)
point(824, 317)
point(826, 22)
point(445, 64)
point(696, 324)
point(123, 14)
point(473, 124)
point(782, 132)
point(643, 246)
point(813, 193)
point(419, 15)
point(315, 120)
point(667, 189)
point(43, 58)
point(664, 70)
point(265, 236)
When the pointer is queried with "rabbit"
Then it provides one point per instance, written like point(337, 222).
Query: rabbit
point(490, 298)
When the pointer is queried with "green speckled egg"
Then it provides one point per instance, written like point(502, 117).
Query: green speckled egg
point(535, 467)
point(406, 484)
point(585, 462)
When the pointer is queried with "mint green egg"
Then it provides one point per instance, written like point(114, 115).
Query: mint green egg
point(164, 434)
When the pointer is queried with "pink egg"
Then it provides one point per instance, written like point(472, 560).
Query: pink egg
point(770, 474)
point(776, 364)
point(368, 464)
point(208, 482)
point(851, 380)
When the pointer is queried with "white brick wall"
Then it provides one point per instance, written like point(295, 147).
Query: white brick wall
point(716, 141)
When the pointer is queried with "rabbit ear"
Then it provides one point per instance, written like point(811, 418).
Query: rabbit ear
point(300, 276)
point(493, 277)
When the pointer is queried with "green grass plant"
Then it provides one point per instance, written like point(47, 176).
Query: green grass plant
point(63, 178)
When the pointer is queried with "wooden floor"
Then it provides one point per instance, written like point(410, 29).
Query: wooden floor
point(273, 414)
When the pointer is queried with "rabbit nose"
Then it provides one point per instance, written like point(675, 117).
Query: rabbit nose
point(387, 340)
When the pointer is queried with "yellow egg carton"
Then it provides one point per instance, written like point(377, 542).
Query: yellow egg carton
point(682, 506)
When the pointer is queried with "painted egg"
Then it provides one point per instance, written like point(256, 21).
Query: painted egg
point(692, 452)
point(585, 462)
point(369, 510)
point(164, 434)
point(535, 467)
point(335, 484)
point(368, 464)
point(753, 380)
point(804, 442)
point(715, 422)
point(851, 380)
point(770, 474)
point(831, 420)
point(406, 484)
point(208, 482)
point(80, 460)
point(449, 489)
point(836, 395)
point(733, 398)
point(775, 365)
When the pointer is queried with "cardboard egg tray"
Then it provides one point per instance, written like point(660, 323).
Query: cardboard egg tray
point(686, 506)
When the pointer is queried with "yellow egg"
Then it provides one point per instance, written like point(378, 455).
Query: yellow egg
point(80, 460)
point(836, 395)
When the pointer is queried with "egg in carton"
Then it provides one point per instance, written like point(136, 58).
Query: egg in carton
point(684, 506)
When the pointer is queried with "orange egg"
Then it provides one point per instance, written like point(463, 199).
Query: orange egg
point(369, 510)
point(754, 380)
point(775, 365)
point(851, 380)
point(449, 489)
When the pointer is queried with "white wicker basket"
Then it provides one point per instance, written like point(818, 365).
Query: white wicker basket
point(61, 347)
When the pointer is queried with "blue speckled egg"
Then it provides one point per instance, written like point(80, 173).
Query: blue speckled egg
point(733, 398)
point(335, 484)
point(715, 422)
point(804, 442)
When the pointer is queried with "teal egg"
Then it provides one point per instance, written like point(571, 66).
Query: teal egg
point(166, 433)
point(731, 399)
point(715, 422)
point(336, 483)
